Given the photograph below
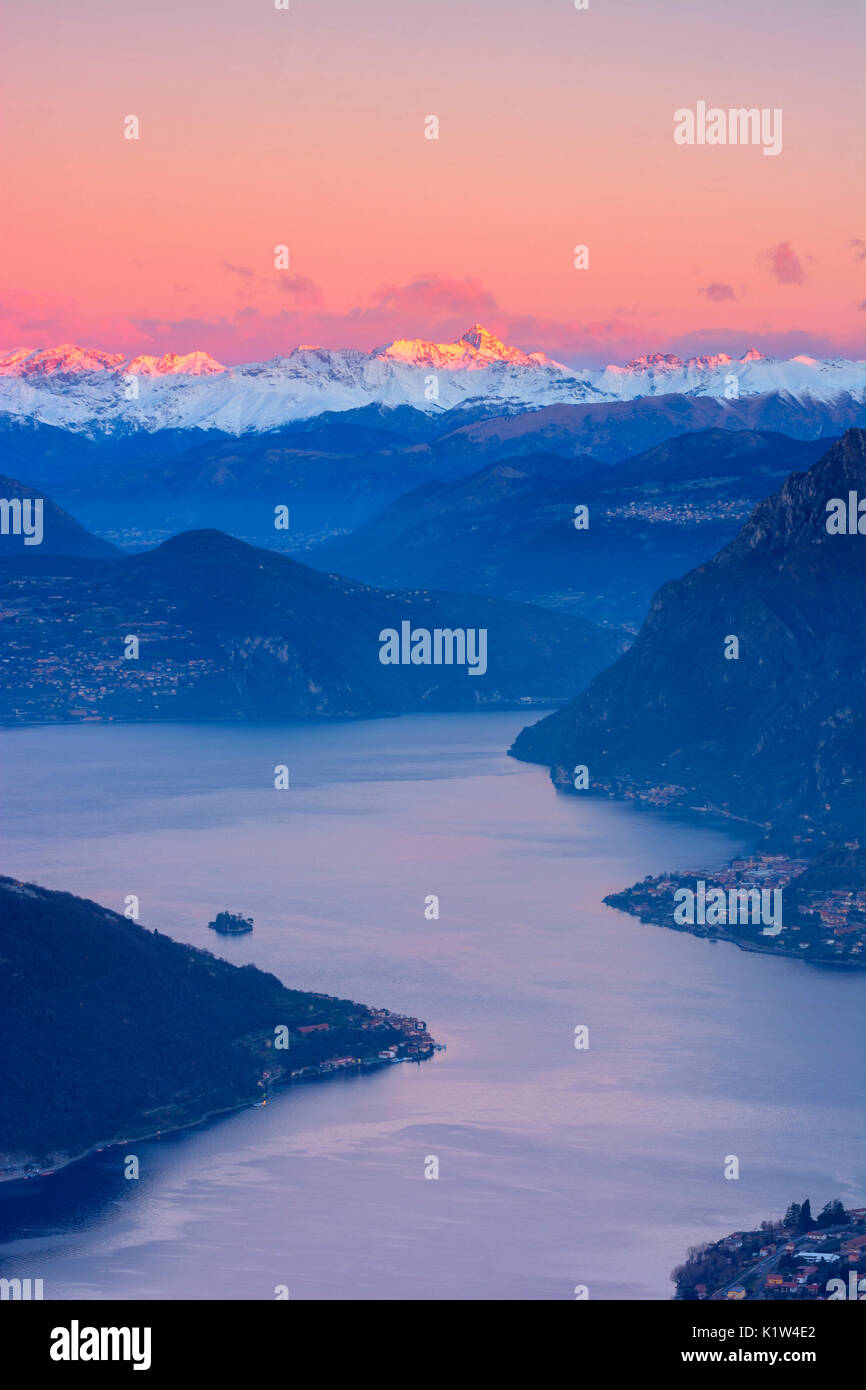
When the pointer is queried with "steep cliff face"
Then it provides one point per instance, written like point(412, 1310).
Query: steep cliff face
point(775, 734)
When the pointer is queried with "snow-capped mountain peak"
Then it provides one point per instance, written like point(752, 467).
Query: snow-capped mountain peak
point(474, 350)
point(89, 390)
point(67, 359)
point(173, 364)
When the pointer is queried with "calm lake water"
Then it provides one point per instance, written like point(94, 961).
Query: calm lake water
point(557, 1167)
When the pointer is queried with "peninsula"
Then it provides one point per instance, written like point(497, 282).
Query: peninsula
point(114, 1033)
point(821, 915)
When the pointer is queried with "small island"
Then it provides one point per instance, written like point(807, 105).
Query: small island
point(231, 923)
point(800, 1257)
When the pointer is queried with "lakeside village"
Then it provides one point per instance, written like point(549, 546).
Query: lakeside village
point(799, 1258)
point(330, 1029)
point(90, 682)
point(413, 1044)
point(772, 903)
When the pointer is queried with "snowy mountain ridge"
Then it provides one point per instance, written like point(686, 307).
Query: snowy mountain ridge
point(94, 392)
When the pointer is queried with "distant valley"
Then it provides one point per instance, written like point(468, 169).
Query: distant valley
point(509, 529)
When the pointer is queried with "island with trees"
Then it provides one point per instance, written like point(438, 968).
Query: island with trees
point(231, 924)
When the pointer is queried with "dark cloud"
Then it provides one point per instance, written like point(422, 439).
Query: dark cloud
point(301, 286)
point(439, 295)
point(717, 291)
point(783, 262)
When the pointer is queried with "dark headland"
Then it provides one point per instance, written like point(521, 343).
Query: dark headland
point(114, 1032)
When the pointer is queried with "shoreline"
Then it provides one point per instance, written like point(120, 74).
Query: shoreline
point(549, 702)
point(633, 902)
point(719, 934)
point(369, 1063)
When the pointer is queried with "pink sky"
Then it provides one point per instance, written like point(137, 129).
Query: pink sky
point(306, 128)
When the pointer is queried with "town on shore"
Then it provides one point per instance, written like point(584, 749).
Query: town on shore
point(413, 1045)
point(822, 921)
point(799, 1257)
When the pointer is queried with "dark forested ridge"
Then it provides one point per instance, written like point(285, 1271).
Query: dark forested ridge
point(112, 1030)
point(59, 533)
point(776, 736)
point(229, 631)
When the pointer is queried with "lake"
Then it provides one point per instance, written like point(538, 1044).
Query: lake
point(557, 1167)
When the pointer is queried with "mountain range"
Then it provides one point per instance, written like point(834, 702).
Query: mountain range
point(772, 730)
point(87, 389)
point(336, 471)
point(508, 529)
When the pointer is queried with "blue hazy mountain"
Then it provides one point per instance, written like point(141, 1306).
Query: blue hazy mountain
point(508, 529)
point(336, 471)
point(58, 533)
point(228, 631)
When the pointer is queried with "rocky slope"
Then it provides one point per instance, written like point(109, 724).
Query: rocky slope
point(775, 736)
